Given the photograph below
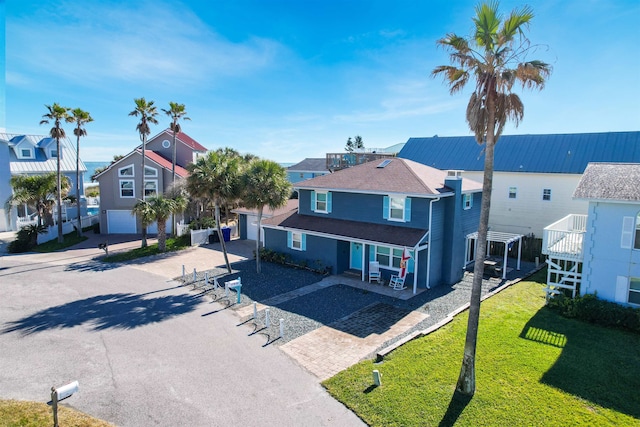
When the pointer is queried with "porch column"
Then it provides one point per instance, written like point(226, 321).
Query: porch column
point(504, 268)
point(519, 251)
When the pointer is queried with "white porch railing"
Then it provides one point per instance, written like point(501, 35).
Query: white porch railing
point(564, 238)
point(24, 221)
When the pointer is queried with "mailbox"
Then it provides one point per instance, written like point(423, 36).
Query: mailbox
point(67, 390)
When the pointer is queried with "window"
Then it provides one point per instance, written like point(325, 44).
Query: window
point(467, 201)
point(126, 188)
point(636, 244)
point(321, 201)
point(54, 153)
point(391, 257)
point(634, 290)
point(148, 171)
point(513, 191)
point(26, 153)
point(297, 241)
point(150, 187)
point(396, 208)
point(126, 171)
point(546, 194)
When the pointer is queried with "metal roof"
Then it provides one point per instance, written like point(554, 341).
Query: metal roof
point(41, 163)
point(553, 153)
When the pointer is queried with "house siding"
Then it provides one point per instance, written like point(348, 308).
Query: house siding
point(320, 250)
point(604, 257)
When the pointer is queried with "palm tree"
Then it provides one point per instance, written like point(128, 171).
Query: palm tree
point(265, 183)
point(57, 114)
point(495, 57)
point(80, 118)
point(39, 192)
point(147, 112)
point(176, 112)
point(159, 208)
point(215, 177)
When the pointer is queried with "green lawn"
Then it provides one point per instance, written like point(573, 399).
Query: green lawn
point(70, 239)
point(176, 244)
point(37, 414)
point(533, 368)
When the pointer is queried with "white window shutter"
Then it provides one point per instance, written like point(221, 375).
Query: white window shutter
point(622, 289)
point(626, 241)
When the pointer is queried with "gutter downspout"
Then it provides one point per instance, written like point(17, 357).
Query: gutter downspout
point(429, 240)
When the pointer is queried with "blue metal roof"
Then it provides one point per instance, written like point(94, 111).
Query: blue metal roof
point(558, 153)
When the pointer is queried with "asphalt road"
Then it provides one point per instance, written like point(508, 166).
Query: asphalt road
point(145, 351)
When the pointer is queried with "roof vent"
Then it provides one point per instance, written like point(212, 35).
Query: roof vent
point(384, 163)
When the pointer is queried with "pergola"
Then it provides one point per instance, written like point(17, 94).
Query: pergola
point(496, 237)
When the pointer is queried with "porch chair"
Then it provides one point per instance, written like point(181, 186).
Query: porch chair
point(397, 282)
point(374, 272)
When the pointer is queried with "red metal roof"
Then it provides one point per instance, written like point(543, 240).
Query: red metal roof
point(152, 155)
point(186, 139)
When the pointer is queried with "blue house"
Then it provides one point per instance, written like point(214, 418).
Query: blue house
point(372, 212)
point(599, 252)
point(307, 169)
point(534, 175)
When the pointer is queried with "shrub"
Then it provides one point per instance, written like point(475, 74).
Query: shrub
point(26, 239)
point(590, 309)
point(202, 223)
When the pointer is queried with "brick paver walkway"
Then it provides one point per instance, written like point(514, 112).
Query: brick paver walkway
point(332, 348)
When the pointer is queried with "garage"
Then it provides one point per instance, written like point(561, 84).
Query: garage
point(121, 222)
point(252, 228)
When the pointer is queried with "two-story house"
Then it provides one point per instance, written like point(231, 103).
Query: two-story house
point(120, 183)
point(599, 253)
point(34, 155)
point(534, 175)
point(372, 212)
point(307, 169)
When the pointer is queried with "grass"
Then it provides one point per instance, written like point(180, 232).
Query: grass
point(70, 239)
point(36, 414)
point(533, 368)
point(176, 244)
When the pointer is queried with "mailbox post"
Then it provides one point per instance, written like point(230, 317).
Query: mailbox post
point(61, 393)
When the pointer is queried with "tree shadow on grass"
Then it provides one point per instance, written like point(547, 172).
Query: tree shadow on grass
point(597, 364)
point(457, 405)
point(117, 311)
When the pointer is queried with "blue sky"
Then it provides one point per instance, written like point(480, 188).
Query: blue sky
point(289, 79)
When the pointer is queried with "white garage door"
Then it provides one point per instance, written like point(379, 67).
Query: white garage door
point(121, 222)
point(153, 228)
point(252, 228)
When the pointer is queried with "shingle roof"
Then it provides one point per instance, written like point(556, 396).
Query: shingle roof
point(610, 181)
point(379, 233)
point(310, 165)
point(41, 164)
point(291, 205)
point(554, 153)
point(398, 176)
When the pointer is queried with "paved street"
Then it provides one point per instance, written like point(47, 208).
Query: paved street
point(145, 351)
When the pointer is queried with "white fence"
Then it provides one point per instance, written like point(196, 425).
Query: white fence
point(67, 227)
point(201, 237)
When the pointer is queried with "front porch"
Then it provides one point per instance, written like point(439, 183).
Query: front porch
point(352, 278)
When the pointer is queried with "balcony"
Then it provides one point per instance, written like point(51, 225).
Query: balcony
point(338, 161)
point(564, 238)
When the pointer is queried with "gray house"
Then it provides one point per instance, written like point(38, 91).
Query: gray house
point(120, 182)
point(33, 155)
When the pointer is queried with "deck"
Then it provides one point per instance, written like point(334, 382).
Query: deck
point(564, 239)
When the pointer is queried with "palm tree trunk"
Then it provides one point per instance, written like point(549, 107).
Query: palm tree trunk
point(78, 185)
point(173, 180)
point(142, 196)
point(162, 236)
point(467, 379)
point(221, 237)
point(258, 267)
point(59, 191)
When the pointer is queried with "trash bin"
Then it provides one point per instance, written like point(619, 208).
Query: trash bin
point(213, 238)
point(226, 234)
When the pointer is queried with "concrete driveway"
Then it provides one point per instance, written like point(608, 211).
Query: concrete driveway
point(145, 351)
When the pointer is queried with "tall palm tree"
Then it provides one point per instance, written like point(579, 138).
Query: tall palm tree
point(39, 192)
point(215, 177)
point(176, 112)
point(147, 112)
point(494, 56)
point(80, 118)
point(265, 183)
point(159, 209)
point(57, 114)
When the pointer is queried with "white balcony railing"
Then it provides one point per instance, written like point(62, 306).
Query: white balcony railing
point(564, 238)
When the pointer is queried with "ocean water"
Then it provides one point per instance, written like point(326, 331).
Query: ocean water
point(91, 168)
